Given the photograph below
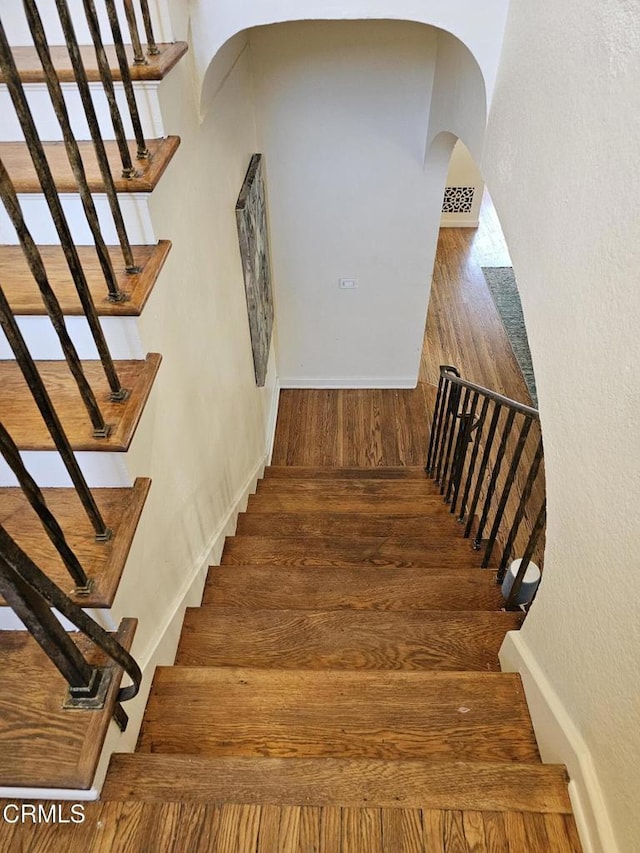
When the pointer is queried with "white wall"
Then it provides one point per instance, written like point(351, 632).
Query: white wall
point(561, 163)
point(203, 438)
point(478, 25)
point(342, 120)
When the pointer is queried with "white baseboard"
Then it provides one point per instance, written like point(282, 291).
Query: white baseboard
point(350, 382)
point(273, 422)
point(459, 222)
point(560, 742)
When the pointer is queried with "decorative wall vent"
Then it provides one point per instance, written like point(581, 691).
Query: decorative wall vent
point(458, 199)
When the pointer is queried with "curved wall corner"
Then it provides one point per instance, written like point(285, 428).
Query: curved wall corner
point(478, 26)
point(458, 97)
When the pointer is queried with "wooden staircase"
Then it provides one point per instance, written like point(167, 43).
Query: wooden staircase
point(339, 688)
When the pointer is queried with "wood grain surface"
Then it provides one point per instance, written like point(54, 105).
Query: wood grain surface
point(440, 552)
point(24, 296)
point(393, 715)
point(42, 745)
point(155, 68)
point(102, 561)
point(17, 160)
point(362, 588)
point(361, 640)
point(317, 524)
point(177, 827)
point(22, 419)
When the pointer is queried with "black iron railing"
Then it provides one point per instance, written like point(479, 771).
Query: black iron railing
point(23, 585)
point(486, 455)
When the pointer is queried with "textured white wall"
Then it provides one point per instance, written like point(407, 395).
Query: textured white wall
point(342, 113)
point(561, 163)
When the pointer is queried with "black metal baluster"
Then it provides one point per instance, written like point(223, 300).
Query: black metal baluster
point(143, 151)
point(506, 491)
point(440, 409)
point(506, 432)
point(451, 423)
point(522, 506)
point(497, 408)
point(36, 499)
point(452, 469)
point(443, 429)
point(128, 170)
point(474, 456)
point(34, 259)
point(526, 558)
point(52, 198)
point(469, 424)
point(152, 47)
point(435, 426)
point(138, 53)
point(31, 135)
point(82, 83)
point(19, 564)
point(43, 401)
point(41, 623)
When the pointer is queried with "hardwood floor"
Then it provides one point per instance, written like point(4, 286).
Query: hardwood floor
point(353, 427)
point(173, 827)
point(390, 427)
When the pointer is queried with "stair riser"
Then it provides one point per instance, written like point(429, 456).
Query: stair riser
point(47, 123)
point(121, 333)
point(100, 469)
point(134, 206)
point(17, 29)
point(10, 622)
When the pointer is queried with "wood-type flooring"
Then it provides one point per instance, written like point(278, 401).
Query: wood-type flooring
point(363, 427)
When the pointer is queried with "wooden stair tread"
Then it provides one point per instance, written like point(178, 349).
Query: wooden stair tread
point(291, 639)
point(441, 552)
point(386, 715)
point(102, 561)
point(18, 163)
point(25, 299)
point(44, 745)
point(328, 588)
point(21, 417)
point(334, 781)
point(357, 487)
point(390, 505)
point(121, 825)
point(156, 68)
point(297, 472)
point(314, 524)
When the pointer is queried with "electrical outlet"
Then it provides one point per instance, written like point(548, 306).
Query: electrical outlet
point(348, 283)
